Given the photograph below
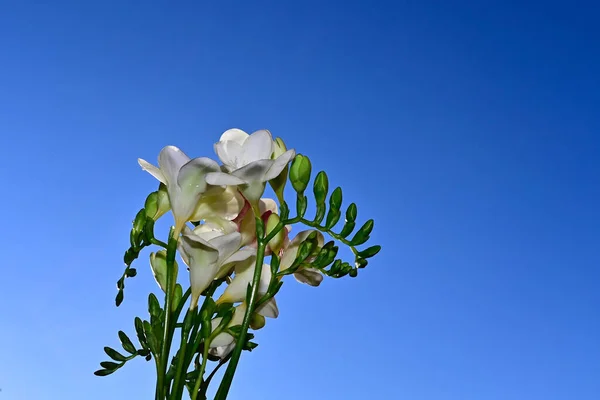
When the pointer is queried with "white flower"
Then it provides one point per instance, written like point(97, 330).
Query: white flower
point(247, 161)
point(184, 178)
point(247, 220)
point(210, 254)
point(236, 291)
point(310, 276)
point(223, 343)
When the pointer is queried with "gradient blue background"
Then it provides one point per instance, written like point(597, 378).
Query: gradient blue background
point(469, 130)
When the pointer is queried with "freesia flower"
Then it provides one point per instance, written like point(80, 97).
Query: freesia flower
point(223, 343)
point(236, 291)
point(247, 222)
point(184, 178)
point(210, 254)
point(247, 161)
point(310, 276)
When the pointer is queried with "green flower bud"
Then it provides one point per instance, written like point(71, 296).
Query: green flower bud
point(257, 321)
point(300, 173)
point(278, 184)
point(158, 262)
point(277, 241)
point(321, 187)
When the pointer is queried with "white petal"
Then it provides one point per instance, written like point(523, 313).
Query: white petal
point(201, 257)
point(310, 276)
point(258, 146)
point(267, 204)
point(152, 170)
point(230, 153)
point(254, 172)
point(218, 203)
point(222, 351)
point(222, 179)
point(191, 174)
point(291, 251)
point(227, 244)
point(279, 164)
point(236, 291)
point(234, 135)
point(269, 309)
point(170, 161)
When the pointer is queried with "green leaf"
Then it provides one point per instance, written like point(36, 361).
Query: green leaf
point(126, 343)
point(362, 235)
point(353, 273)
point(300, 173)
point(320, 187)
point(115, 355)
point(130, 272)
point(369, 252)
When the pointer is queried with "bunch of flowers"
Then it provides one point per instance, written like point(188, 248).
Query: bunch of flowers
point(238, 250)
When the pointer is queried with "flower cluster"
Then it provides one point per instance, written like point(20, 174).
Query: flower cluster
point(223, 202)
point(237, 246)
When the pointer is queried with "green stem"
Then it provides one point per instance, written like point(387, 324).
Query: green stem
point(206, 383)
point(322, 229)
point(166, 343)
point(201, 374)
point(179, 372)
point(239, 345)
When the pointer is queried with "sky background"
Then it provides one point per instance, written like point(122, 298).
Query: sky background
point(469, 130)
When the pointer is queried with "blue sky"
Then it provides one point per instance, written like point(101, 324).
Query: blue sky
point(468, 130)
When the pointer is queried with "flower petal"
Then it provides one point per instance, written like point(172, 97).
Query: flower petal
point(266, 204)
point(269, 309)
point(279, 164)
point(219, 203)
point(291, 251)
point(230, 153)
point(310, 276)
point(236, 291)
point(152, 170)
point(170, 161)
point(258, 146)
point(201, 257)
point(254, 171)
point(234, 135)
point(223, 179)
point(227, 244)
point(191, 175)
